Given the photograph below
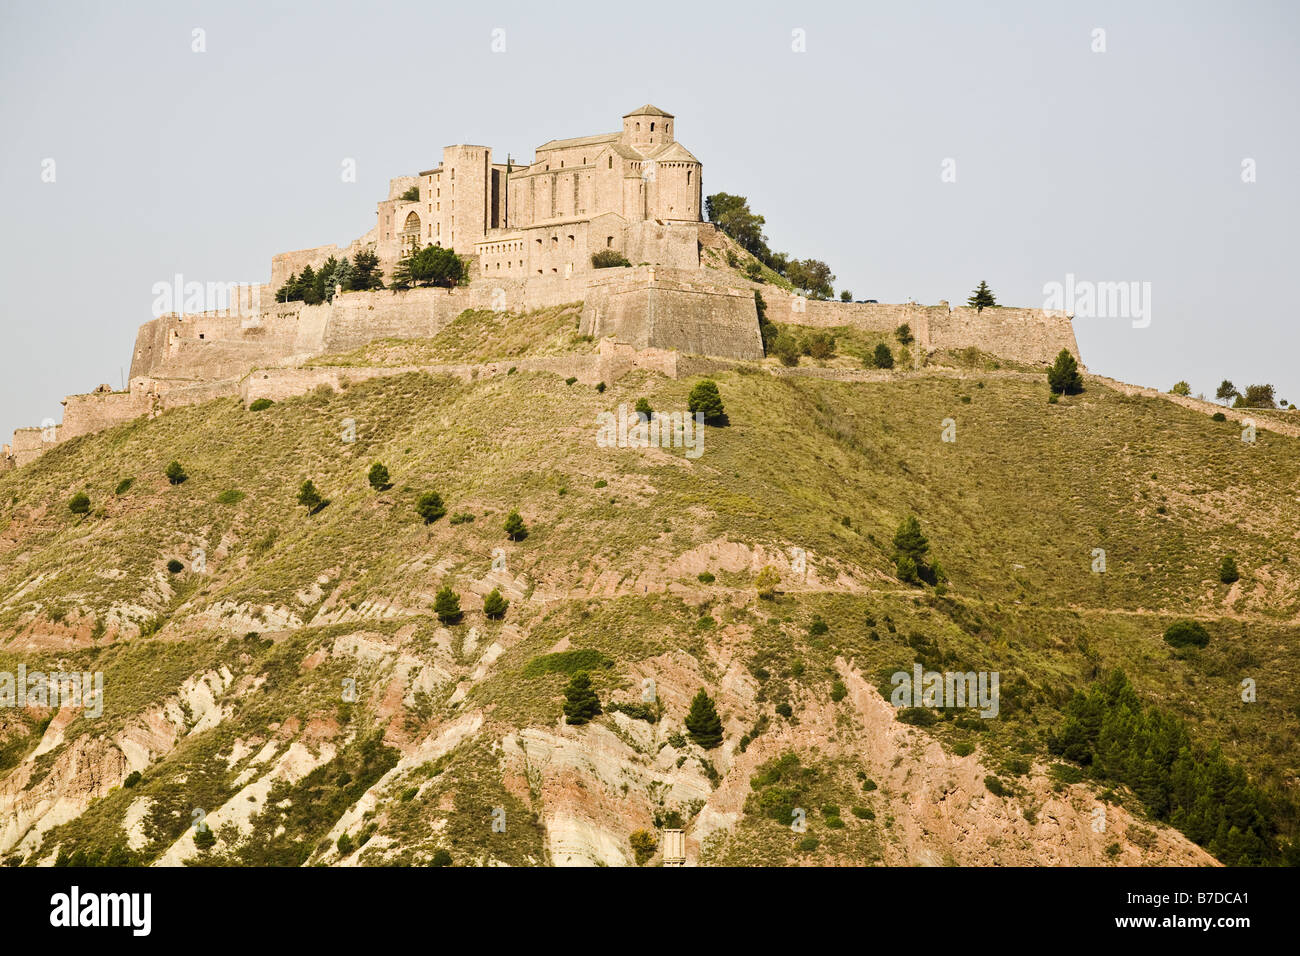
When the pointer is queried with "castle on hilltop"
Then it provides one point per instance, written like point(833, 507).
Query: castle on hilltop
point(637, 192)
point(530, 235)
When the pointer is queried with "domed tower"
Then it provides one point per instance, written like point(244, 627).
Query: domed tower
point(648, 126)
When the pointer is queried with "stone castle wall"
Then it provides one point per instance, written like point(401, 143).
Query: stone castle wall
point(649, 307)
point(1032, 336)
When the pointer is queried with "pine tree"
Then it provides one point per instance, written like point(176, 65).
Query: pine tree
point(365, 271)
point(515, 528)
point(447, 605)
point(494, 605)
point(429, 507)
point(378, 476)
point(704, 398)
point(1226, 391)
point(175, 473)
point(882, 357)
point(325, 280)
point(309, 497)
point(343, 274)
point(1063, 377)
point(580, 701)
point(307, 290)
point(703, 723)
point(982, 297)
point(286, 292)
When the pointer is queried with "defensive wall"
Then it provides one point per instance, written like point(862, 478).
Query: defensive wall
point(673, 320)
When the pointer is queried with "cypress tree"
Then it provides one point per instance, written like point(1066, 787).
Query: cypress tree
point(580, 702)
point(703, 723)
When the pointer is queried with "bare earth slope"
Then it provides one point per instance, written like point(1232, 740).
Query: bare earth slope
point(293, 687)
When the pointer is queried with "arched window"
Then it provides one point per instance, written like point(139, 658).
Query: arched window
point(411, 229)
point(652, 127)
point(611, 162)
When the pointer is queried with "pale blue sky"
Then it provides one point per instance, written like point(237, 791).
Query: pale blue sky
point(1115, 166)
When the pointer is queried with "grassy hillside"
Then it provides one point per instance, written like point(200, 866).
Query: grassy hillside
point(448, 719)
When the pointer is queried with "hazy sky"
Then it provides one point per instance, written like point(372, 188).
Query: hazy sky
point(1123, 165)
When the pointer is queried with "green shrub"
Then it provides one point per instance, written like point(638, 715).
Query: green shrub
point(175, 473)
point(79, 504)
point(807, 844)
point(643, 408)
point(378, 476)
point(231, 496)
point(566, 662)
point(132, 779)
point(786, 349)
point(462, 517)
point(440, 858)
point(260, 404)
point(643, 844)
point(205, 838)
point(838, 691)
point(608, 259)
point(917, 716)
point(882, 357)
point(864, 813)
point(706, 577)
point(1228, 570)
point(123, 486)
point(175, 567)
point(1218, 417)
point(344, 844)
point(995, 786)
point(1186, 634)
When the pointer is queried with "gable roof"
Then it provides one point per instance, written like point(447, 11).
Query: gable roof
point(580, 141)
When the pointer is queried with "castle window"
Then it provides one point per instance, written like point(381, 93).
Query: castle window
point(453, 172)
point(688, 177)
point(652, 127)
point(609, 242)
point(571, 242)
point(611, 162)
point(638, 127)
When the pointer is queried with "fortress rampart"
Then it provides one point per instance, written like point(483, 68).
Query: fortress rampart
point(675, 321)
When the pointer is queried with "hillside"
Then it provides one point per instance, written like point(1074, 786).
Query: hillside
point(225, 689)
